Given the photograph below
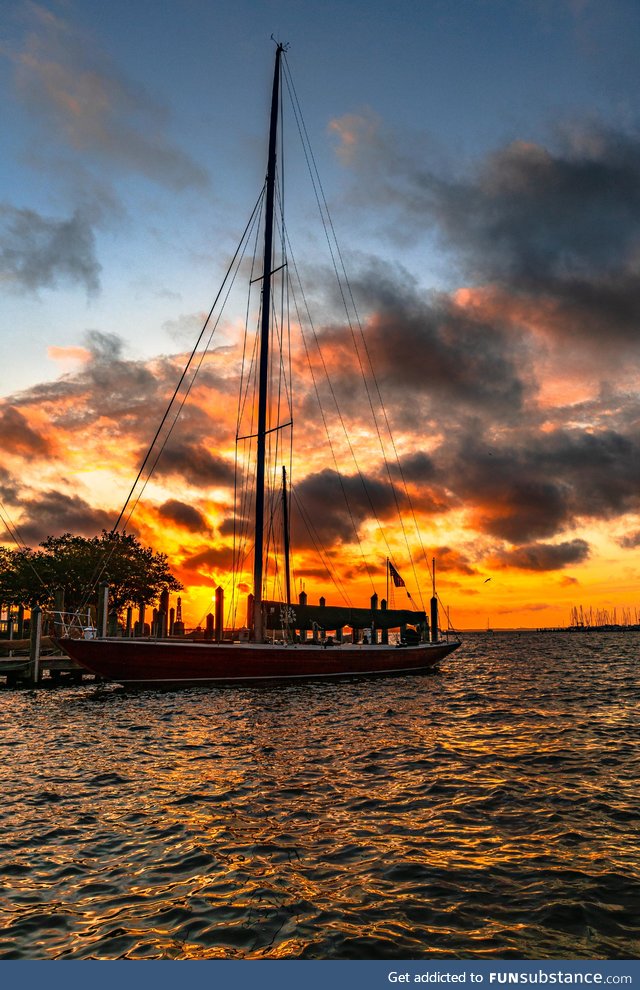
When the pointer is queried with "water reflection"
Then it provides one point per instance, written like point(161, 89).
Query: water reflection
point(485, 812)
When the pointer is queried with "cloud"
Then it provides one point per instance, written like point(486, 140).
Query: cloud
point(68, 355)
point(39, 252)
point(538, 218)
point(450, 559)
point(353, 131)
point(205, 561)
point(630, 541)
point(432, 358)
point(18, 437)
point(195, 463)
point(535, 484)
point(52, 513)
point(83, 100)
point(328, 507)
point(544, 556)
point(183, 515)
point(567, 581)
point(554, 226)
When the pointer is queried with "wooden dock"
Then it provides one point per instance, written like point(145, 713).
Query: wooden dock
point(22, 666)
point(58, 668)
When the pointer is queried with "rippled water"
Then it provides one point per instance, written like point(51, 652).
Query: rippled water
point(490, 810)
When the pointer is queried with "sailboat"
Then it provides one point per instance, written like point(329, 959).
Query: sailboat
point(383, 641)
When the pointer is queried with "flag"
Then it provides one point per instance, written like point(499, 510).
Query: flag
point(395, 577)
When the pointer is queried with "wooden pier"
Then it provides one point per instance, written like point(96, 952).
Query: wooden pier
point(57, 668)
point(37, 662)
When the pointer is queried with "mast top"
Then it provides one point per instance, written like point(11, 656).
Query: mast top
point(282, 46)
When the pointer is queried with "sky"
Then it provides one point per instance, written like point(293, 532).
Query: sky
point(481, 161)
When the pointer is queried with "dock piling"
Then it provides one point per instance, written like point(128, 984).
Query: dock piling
point(34, 645)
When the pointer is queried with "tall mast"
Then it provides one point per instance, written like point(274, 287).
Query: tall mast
point(285, 525)
point(264, 353)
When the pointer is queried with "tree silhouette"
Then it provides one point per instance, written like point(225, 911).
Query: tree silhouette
point(76, 565)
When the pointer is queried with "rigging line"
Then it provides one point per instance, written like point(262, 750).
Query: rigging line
point(285, 309)
point(339, 413)
point(241, 403)
point(238, 538)
point(198, 366)
point(325, 218)
point(99, 571)
point(370, 363)
point(186, 394)
point(13, 531)
point(332, 448)
point(247, 491)
point(193, 353)
point(335, 400)
point(324, 210)
point(16, 536)
point(285, 302)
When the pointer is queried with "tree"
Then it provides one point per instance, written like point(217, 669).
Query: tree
point(136, 574)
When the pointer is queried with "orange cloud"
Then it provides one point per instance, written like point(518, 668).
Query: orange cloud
point(69, 355)
point(354, 131)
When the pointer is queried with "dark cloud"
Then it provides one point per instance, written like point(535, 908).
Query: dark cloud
point(549, 234)
point(557, 227)
point(118, 387)
point(544, 556)
point(439, 349)
point(630, 541)
point(508, 498)
point(418, 467)
point(53, 513)
point(183, 515)
point(602, 467)
point(195, 463)
point(430, 357)
point(532, 216)
point(451, 560)
point(18, 437)
point(328, 507)
point(132, 394)
point(39, 252)
point(84, 101)
point(231, 525)
point(535, 485)
point(105, 348)
point(211, 559)
point(8, 486)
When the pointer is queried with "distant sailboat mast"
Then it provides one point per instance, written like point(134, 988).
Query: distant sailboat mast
point(258, 564)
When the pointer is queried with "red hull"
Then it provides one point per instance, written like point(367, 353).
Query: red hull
point(169, 663)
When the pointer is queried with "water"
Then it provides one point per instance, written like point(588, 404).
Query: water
point(490, 810)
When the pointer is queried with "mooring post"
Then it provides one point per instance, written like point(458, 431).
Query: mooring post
point(58, 610)
point(34, 645)
point(103, 607)
point(208, 633)
point(164, 613)
point(140, 623)
point(219, 615)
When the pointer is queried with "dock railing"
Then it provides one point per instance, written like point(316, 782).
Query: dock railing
point(70, 625)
